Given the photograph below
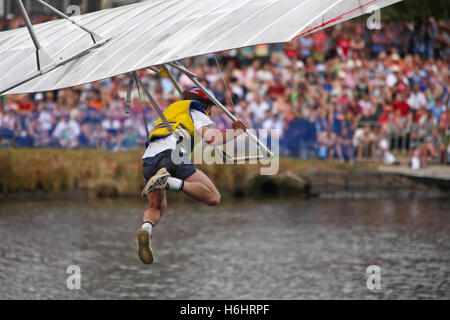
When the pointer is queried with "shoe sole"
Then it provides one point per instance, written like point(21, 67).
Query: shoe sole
point(157, 182)
point(145, 250)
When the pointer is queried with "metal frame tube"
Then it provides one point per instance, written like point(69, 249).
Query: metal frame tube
point(154, 70)
point(29, 25)
point(43, 60)
point(140, 84)
point(228, 157)
point(93, 35)
point(172, 78)
point(54, 66)
point(169, 75)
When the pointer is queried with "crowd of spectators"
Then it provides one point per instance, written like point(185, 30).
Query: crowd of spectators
point(345, 93)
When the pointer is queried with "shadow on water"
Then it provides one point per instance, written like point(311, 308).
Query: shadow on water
point(314, 249)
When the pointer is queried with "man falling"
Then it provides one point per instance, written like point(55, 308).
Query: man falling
point(162, 173)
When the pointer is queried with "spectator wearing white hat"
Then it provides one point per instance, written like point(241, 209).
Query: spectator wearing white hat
point(417, 98)
point(67, 131)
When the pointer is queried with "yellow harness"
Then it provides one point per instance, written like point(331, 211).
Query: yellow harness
point(179, 117)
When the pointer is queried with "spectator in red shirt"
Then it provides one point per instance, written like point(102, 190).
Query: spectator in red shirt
point(349, 104)
point(401, 104)
point(291, 50)
point(387, 114)
point(344, 46)
point(26, 105)
point(276, 89)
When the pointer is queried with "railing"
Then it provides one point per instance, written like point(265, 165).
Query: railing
point(399, 141)
point(303, 140)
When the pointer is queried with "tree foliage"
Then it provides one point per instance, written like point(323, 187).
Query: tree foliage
point(417, 10)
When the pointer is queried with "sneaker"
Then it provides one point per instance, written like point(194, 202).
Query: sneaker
point(157, 182)
point(145, 250)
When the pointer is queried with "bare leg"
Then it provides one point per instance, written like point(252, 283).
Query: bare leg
point(157, 206)
point(201, 188)
point(372, 150)
point(339, 153)
point(331, 151)
point(360, 152)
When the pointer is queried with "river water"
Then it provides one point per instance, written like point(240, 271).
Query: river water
point(306, 249)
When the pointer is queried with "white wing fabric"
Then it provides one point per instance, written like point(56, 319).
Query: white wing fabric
point(159, 31)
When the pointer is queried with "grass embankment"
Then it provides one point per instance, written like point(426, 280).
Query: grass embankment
point(49, 170)
point(109, 174)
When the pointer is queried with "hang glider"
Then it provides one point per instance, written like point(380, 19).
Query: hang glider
point(107, 43)
point(103, 44)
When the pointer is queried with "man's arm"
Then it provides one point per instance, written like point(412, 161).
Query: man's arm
point(215, 137)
